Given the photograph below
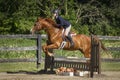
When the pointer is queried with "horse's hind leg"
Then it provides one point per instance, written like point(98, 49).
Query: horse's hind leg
point(87, 54)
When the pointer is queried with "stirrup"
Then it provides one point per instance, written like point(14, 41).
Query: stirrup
point(62, 45)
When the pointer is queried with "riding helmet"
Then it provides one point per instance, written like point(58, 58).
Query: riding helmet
point(56, 11)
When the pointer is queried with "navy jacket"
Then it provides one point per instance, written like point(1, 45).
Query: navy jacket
point(62, 22)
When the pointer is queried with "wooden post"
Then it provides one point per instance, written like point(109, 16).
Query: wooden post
point(99, 59)
point(95, 64)
point(46, 63)
point(49, 61)
point(92, 57)
point(38, 51)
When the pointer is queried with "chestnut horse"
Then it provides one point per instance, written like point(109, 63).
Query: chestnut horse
point(81, 41)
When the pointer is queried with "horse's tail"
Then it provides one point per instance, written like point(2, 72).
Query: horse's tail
point(102, 46)
point(105, 49)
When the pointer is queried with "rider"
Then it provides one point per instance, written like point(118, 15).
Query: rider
point(63, 23)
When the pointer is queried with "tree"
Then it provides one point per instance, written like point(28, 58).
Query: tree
point(101, 17)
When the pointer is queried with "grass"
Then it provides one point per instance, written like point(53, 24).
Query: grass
point(31, 67)
point(19, 42)
point(20, 66)
point(110, 66)
point(17, 54)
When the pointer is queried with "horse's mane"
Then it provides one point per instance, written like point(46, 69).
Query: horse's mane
point(51, 22)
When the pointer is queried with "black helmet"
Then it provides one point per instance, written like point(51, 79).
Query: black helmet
point(56, 11)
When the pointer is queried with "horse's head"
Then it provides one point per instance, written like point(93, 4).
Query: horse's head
point(46, 24)
point(37, 26)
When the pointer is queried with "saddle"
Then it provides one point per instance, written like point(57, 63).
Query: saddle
point(66, 39)
point(72, 34)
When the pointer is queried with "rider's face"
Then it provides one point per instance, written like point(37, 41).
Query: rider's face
point(54, 15)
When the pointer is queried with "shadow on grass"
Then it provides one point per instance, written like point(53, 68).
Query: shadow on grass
point(31, 72)
point(103, 75)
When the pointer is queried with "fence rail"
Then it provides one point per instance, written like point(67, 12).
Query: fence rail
point(30, 48)
point(45, 36)
point(37, 48)
point(34, 60)
point(113, 48)
point(22, 36)
point(18, 48)
point(109, 37)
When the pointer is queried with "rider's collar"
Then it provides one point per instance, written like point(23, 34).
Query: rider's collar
point(56, 16)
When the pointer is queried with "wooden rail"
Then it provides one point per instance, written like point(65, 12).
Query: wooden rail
point(34, 60)
point(18, 48)
point(109, 37)
point(30, 48)
point(22, 36)
point(45, 36)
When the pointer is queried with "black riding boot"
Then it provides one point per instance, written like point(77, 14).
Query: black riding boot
point(71, 41)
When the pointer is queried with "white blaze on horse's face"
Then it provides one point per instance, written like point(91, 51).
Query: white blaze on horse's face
point(32, 31)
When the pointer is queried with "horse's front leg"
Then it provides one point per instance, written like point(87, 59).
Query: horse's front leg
point(47, 47)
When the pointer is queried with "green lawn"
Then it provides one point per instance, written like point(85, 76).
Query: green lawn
point(110, 66)
point(20, 66)
point(31, 66)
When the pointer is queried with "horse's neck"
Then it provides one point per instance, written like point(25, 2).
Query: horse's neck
point(54, 33)
point(51, 29)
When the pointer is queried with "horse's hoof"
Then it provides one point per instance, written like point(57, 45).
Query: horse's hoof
point(50, 54)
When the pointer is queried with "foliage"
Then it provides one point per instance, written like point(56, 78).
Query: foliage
point(101, 17)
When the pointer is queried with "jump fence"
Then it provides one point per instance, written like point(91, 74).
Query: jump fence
point(92, 65)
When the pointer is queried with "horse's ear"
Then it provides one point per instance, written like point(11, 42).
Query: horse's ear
point(46, 19)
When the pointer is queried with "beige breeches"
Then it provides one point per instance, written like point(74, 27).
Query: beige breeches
point(67, 30)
